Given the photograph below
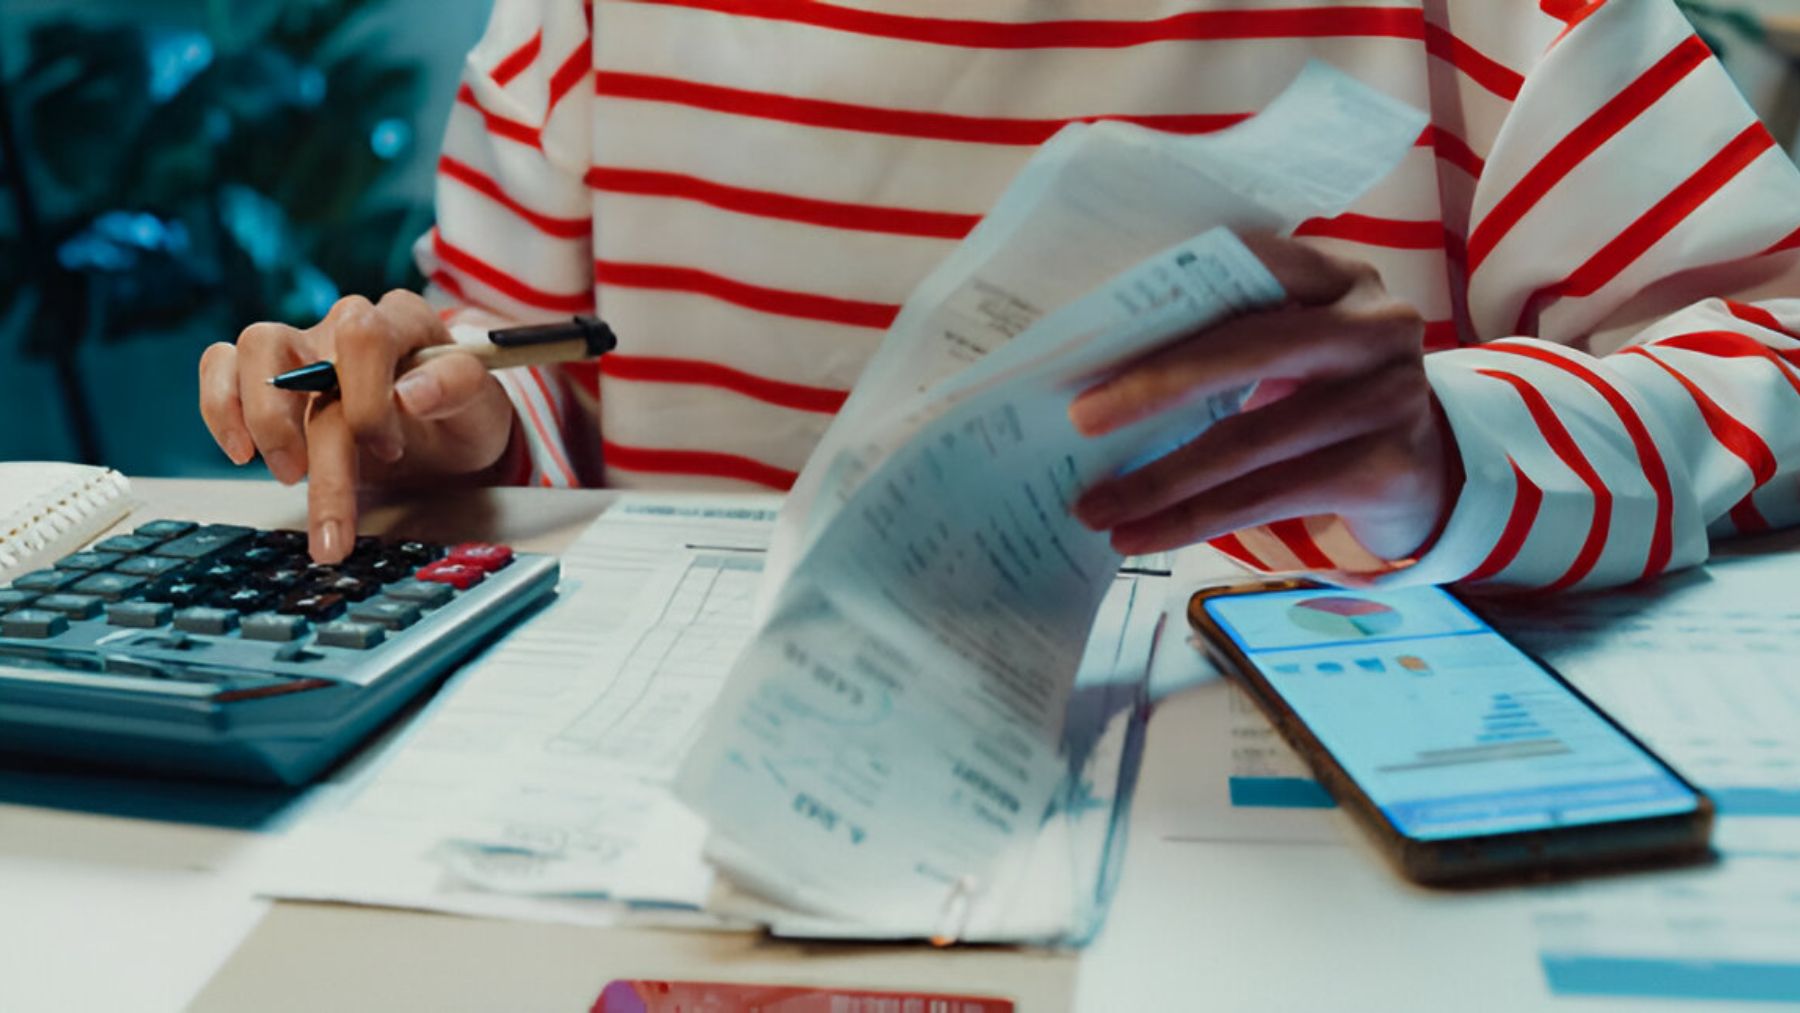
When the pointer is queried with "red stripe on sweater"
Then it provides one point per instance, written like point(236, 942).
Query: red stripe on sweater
point(1637, 238)
point(1605, 123)
point(1441, 334)
point(1733, 435)
point(1746, 517)
point(516, 61)
point(813, 112)
point(653, 369)
point(1299, 541)
point(1757, 315)
point(1527, 500)
point(498, 125)
point(1393, 233)
point(1732, 345)
point(696, 462)
point(1290, 23)
point(551, 441)
point(781, 302)
point(468, 264)
point(584, 375)
point(474, 179)
point(1233, 546)
point(1569, 452)
point(1453, 149)
point(1788, 242)
point(569, 74)
point(787, 207)
point(1472, 63)
point(1568, 11)
point(1662, 536)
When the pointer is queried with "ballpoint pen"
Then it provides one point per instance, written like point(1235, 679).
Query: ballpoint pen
point(532, 345)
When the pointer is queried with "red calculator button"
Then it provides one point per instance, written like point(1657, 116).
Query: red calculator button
point(480, 555)
point(458, 575)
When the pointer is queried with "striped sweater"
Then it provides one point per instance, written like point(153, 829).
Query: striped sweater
point(1595, 226)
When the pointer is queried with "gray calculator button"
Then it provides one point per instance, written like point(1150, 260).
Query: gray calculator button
point(125, 545)
point(273, 626)
point(145, 615)
point(421, 592)
point(110, 586)
point(395, 615)
point(75, 606)
point(350, 633)
point(32, 624)
point(206, 620)
point(205, 541)
point(149, 566)
point(47, 580)
point(11, 599)
point(162, 530)
point(88, 561)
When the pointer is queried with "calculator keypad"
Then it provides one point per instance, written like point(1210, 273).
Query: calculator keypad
point(189, 590)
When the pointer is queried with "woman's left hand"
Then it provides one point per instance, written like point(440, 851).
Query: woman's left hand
point(1343, 420)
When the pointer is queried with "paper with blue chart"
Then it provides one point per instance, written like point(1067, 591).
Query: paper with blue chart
point(885, 750)
point(1701, 667)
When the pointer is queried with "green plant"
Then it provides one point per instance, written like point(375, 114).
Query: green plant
point(167, 179)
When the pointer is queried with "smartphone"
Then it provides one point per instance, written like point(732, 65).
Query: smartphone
point(1467, 758)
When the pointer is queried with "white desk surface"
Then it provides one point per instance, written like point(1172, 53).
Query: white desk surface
point(118, 912)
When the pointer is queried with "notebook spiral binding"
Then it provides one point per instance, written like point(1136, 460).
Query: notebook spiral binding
point(46, 523)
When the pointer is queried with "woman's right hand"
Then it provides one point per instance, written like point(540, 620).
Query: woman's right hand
point(447, 418)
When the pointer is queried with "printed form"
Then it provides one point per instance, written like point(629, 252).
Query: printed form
point(887, 746)
point(535, 785)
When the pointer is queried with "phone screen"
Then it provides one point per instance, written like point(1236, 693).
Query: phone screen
point(1448, 728)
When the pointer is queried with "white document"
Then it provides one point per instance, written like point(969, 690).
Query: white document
point(1093, 202)
point(1063, 885)
point(1699, 665)
point(539, 776)
point(887, 747)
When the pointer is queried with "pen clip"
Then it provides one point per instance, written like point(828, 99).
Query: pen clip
point(599, 337)
point(959, 907)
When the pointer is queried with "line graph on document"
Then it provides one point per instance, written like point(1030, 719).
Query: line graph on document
point(650, 711)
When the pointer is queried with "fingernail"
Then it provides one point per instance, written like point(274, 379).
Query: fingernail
point(329, 539)
point(239, 449)
point(419, 392)
point(284, 465)
point(1089, 412)
point(1098, 509)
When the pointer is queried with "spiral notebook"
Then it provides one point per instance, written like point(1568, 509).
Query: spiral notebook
point(48, 510)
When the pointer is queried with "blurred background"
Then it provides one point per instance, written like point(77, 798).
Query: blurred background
point(171, 170)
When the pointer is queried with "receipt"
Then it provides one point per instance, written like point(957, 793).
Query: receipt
point(891, 733)
point(1095, 200)
point(887, 747)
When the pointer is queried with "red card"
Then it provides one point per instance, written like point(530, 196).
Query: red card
point(717, 997)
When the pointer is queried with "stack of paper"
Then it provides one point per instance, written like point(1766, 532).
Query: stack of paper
point(887, 747)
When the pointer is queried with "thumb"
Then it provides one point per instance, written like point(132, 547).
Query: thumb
point(443, 387)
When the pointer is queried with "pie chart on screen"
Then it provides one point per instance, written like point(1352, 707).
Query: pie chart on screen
point(1344, 618)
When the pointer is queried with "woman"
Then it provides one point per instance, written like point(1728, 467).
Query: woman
point(1543, 353)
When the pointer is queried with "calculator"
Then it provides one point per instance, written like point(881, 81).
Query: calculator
point(224, 652)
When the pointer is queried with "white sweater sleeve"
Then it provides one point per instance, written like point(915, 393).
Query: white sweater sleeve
point(513, 240)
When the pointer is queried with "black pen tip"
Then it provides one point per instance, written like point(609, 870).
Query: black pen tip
point(315, 378)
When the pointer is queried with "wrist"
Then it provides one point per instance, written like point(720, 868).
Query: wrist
point(1452, 477)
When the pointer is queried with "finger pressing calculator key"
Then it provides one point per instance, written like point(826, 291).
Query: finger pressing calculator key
point(223, 651)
